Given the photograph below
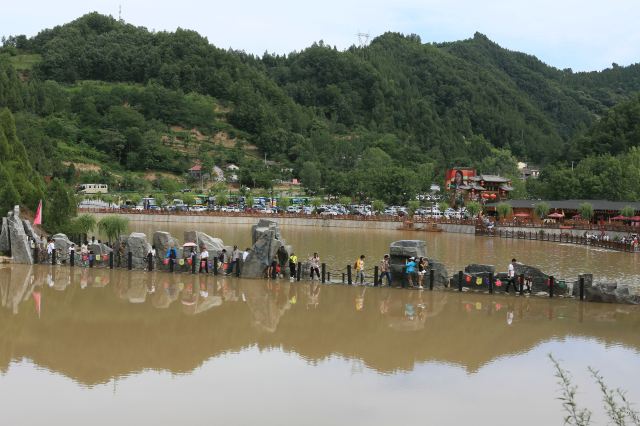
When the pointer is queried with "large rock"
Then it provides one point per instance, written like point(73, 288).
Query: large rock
point(62, 244)
point(440, 274)
point(611, 293)
point(213, 245)
point(163, 241)
point(266, 242)
point(28, 229)
point(5, 246)
point(21, 251)
point(476, 268)
point(399, 252)
point(540, 280)
point(139, 247)
point(265, 226)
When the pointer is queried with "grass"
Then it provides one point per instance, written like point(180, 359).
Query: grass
point(25, 61)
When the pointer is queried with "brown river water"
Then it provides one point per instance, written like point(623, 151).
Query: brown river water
point(94, 346)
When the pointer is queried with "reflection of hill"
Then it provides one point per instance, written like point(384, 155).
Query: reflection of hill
point(95, 334)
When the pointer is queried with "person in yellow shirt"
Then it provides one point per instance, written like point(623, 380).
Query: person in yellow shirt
point(359, 266)
point(293, 263)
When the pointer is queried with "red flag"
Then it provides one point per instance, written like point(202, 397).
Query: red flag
point(38, 219)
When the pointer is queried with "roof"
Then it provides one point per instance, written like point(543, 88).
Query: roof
point(196, 168)
point(490, 178)
point(598, 205)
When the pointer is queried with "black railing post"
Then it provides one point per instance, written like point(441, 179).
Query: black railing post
point(343, 275)
point(111, 260)
point(375, 275)
point(299, 271)
point(150, 261)
point(349, 280)
point(130, 261)
point(551, 284)
point(581, 288)
point(72, 258)
point(53, 257)
point(432, 274)
point(328, 276)
point(460, 278)
point(324, 272)
point(491, 278)
point(215, 265)
point(35, 254)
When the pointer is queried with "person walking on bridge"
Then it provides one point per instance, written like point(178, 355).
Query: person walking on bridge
point(511, 276)
point(315, 265)
point(385, 270)
point(359, 269)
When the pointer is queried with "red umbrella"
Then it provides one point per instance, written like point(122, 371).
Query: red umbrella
point(576, 216)
point(521, 215)
point(619, 217)
point(556, 216)
point(635, 219)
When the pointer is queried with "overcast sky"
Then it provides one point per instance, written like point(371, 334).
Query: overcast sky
point(581, 34)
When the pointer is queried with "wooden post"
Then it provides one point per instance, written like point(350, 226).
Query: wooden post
point(375, 276)
point(581, 288)
point(324, 272)
point(431, 278)
point(130, 261)
point(460, 278)
point(349, 280)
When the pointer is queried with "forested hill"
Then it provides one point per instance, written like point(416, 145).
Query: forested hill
point(345, 119)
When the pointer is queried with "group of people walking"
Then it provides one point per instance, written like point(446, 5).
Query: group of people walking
point(230, 263)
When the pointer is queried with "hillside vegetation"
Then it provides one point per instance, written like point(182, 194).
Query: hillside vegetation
point(380, 121)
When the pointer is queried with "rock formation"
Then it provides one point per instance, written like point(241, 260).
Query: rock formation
point(21, 250)
point(213, 245)
point(399, 252)
point(266, 242)
point(139, 247)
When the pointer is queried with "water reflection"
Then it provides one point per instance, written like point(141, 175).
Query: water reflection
point(97, 324)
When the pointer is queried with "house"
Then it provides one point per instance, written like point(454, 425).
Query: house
point(232, 167)
point(195, 172)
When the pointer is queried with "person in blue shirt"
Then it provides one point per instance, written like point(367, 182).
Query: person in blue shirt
point(172, 254)
point(410, 270)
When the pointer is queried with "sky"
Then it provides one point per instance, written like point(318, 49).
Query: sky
point(580, 34)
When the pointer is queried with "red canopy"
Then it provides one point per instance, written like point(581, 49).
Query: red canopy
point(619, 217)
point(521, 215)
point(556, 215)
point(635, 219)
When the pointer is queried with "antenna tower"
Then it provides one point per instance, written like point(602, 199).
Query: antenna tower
point(363, 39)
point(119, 12)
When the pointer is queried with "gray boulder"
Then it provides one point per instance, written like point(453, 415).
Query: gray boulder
point(21, 251)
point(399, 251)
point(5, 246)
point(62, 244)
point(440, 275)
point(139, 247)
point(213, 245)
point(476, 268)
point(611, 293)
point(163, 241)
point(266, 242)
point(265, 226)
point(28, 229)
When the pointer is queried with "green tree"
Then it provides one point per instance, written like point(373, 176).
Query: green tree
point(473, 208)
point(378, 206)
point(221, 199)
point(284, 202)
point(310, 176)
point(541, 209)
point(628, 211)
point(586, 210)
point(315, 203)
point(59, 206)
point(412, 206)
point(503, 210)
point(345, 201)
point(113, 226)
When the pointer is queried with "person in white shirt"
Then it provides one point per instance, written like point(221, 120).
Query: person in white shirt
point(204, 260)
point(511, 276)
point(314, 263)
point(245, 254)
point(50, 248)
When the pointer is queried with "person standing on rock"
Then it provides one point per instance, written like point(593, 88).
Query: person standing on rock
point(511, 276)
point(315, 265)
point(204, 260)
point(293, 263)
point(50, 248)
point(385, 270)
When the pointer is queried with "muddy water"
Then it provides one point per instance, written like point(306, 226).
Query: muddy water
point(339, 247)
point(107, 347)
